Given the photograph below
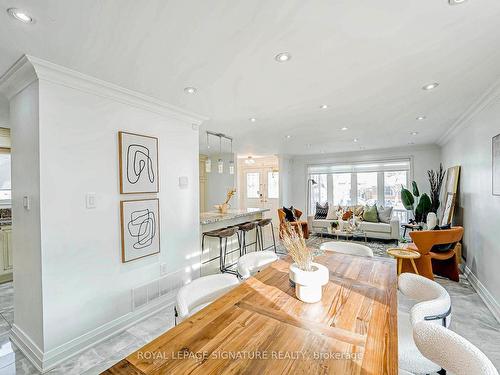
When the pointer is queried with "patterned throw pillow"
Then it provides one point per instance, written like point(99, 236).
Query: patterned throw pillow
point(321, 211)
point(289, 214)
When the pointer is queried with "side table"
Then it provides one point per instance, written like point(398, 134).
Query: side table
point(401, 254)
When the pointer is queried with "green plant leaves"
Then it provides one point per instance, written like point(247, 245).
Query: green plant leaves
point(416, 193)
point(407, 199)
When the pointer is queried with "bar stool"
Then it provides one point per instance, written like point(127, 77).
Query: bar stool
point(223, 234)
point(244, 229)
point(260, 229)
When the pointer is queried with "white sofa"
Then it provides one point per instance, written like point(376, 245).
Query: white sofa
point(382, 231)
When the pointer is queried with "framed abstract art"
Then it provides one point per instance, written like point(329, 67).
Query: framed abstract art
point(138, 156)
point(140, 228)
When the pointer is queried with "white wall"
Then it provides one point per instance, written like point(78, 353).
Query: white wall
point(423, 157)
point(70, 283)
point(85, 284)
point(218, 184)
point(26, 240)
point(4, 112)
point(285, 168)
point(478, 209)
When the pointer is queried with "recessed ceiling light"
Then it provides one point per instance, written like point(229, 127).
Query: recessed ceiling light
point(344, 128)
point(252, 119)
point(288, 136)
point(456, 2)
point(421, 118)
point(20, 15)
point(430, 86)
point(414, 133)
point(355, 140)
point(283, 57)
point(190, 90)
point(324, 106)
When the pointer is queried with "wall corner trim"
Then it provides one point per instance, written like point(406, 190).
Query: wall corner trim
point(28, 68)
point(483, 293)
point(472, 111)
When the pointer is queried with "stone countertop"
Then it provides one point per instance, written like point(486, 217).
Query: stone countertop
point(215, 216)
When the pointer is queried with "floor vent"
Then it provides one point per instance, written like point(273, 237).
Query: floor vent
point(159, 288)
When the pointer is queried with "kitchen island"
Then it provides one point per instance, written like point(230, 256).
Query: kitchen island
point(212, 220)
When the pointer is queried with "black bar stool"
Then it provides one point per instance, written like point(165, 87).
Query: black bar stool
point(260, 229)
point(244, 229)
point(223, 234)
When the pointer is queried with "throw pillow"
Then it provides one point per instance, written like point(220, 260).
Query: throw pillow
point(384, 214)
point(370, 214)
point(347, 215)
point(358, 210)
point(332, 213)
point(289, 214)
point(321, 211)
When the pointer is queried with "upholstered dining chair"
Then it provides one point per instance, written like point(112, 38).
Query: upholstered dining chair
point(251, 263)
point(298, 214)
point(348, 248)
point(199, 293)
point(438, 252)
point(451, 351)
point(429, 302)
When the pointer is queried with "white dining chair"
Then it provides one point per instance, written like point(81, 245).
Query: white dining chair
point(451, 351)
point(431, 302)
point(199, 293)
point(253, 262)
point(347, 248)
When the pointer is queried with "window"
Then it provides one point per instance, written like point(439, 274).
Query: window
point(318, 190)
point(341, 183)
point(5, 189)
point(273, 184)
point(367, 188)
point(253, 183)
point(393, 181)
point(363, 183)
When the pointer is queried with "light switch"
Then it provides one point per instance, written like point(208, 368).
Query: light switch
point(27, 202)
point(90, 200)
point(183, 182)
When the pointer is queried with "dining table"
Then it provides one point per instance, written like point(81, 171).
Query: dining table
point(261, 327)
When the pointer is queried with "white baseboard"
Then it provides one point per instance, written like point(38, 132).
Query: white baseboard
point(484, 293)
point(52, 358)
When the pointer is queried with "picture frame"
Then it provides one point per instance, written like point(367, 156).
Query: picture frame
point(495, 165)
point(140, 228)
point(449, 208)
point(138, 159)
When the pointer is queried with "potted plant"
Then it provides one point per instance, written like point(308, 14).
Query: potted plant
point(420, 205)
point(307, 276)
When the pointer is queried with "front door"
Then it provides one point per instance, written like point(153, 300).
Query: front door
point(261, 190)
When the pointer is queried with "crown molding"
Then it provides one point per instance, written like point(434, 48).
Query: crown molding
point(29, 68)
point(17, 77)
point(472, 111)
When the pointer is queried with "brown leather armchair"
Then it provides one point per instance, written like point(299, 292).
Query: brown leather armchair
point(439, 252)
point(298, 214)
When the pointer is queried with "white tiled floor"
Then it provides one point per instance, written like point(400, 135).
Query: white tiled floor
point(471, 319)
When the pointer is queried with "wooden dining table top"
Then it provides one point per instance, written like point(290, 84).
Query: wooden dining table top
point(260, 327)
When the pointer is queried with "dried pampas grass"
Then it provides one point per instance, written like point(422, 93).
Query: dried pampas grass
point(293, 240)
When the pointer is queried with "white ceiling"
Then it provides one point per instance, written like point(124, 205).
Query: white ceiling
point(366, 59)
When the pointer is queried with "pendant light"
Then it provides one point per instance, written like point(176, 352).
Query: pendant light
point(220, 163)
point(208, 162)
point(231, 162)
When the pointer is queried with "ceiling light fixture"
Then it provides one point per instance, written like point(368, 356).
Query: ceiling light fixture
point(420, 118)
point(430, 86)
point(249, 161)
point(456, 2)
point(20, 15)
point(414, 133)
point(283, 57)
point(355, 140)
point(252, 119)
point(324, 106)
point(344, 128)
point(190, 90)
point(288, 136)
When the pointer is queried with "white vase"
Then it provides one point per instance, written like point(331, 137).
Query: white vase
point(431, 220)
point(308, 284)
